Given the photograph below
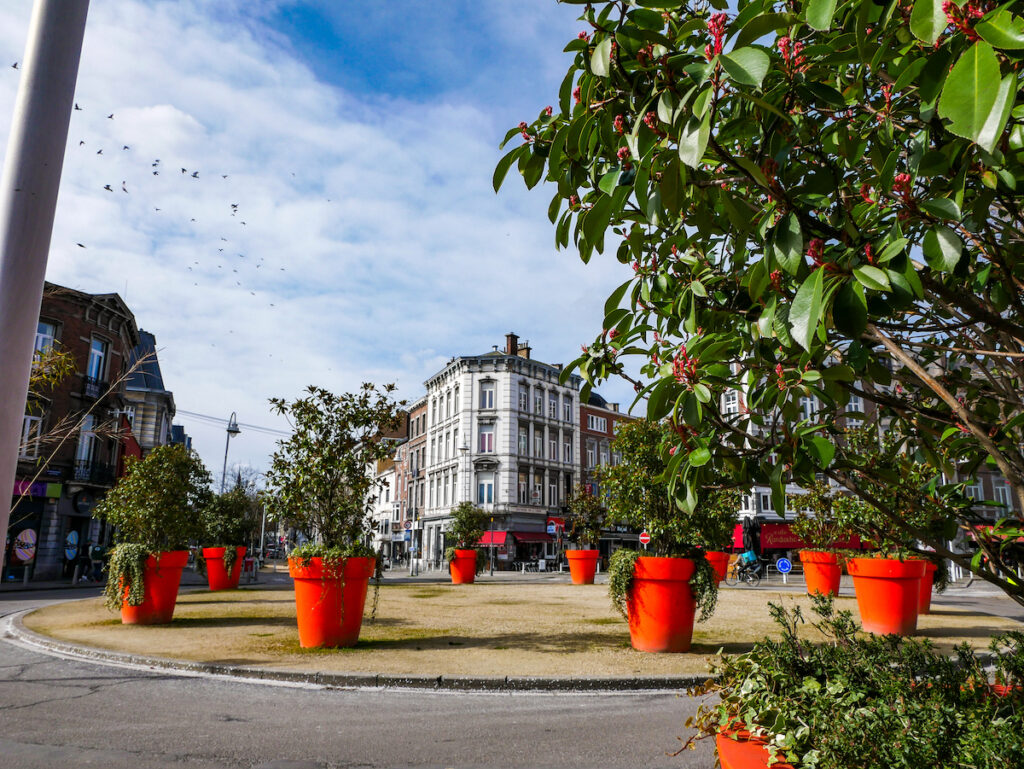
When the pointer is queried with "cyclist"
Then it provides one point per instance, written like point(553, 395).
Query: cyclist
point(748, 561)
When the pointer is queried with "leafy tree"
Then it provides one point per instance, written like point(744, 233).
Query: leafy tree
point(586, 517)
point(467, 526)
point(231, 519)
point(321, 478)
point(818, 200)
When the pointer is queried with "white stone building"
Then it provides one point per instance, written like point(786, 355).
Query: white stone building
point(503, 433)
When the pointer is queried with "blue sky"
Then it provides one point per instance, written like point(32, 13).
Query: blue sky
point(357, 142)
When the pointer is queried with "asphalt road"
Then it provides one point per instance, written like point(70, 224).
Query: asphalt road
point(57, 712)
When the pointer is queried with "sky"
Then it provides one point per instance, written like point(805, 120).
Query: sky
point(300, 193)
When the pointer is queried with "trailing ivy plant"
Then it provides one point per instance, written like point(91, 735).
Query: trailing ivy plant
point(621, 567)
point(637, 493)
point(818, 200)
point(155, 507)
point(866, 700)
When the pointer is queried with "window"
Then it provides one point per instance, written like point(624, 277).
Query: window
point(447, 445)
point(433, 451)
point(553, 447)
point(86, 451)
point(524, 439)
point(455, 440)
point(747, 503)
point(486, 445)
point(538, 443)
point(444, 486)
point(524, 488)
point(524, 396)
point(31, 429)
point(485, 489)
point(1001, 493)
point(567, 449)
point(855, 404)
point(448, 404)
point(455, 487)
point(552, 492)
point(97, 367)
point(46, 335)
point(538, 401)
point(597, 424)
point(808, 407)
point(975, 491)
point(537, 497)
point(604, 453)
point(567, 408)
point(731, 402)
point(553, 405)
point(387, 494)
point(433, 411)
point(129, 414)
point(455, 404)
point(591, 452)
point(431, 497)
point(766, 503)
point(487, 395)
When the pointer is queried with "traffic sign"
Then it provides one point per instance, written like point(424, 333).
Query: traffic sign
point(645, 538)
point(784, 566)
point(408, 536)
point(408, 525)
point(552, 528)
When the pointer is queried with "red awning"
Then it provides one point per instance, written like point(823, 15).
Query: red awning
point(492, 538)
point(531, 536)
point(779, 536)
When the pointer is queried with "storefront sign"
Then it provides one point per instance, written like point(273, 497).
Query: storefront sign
point(37, 489)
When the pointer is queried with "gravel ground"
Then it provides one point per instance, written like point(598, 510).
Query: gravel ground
point(535, 629)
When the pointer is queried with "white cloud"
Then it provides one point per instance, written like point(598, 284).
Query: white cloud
point(369, 222)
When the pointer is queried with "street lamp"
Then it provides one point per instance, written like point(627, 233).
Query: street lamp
point(232, 431)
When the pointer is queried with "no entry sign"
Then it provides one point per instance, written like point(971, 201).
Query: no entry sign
point(645, 538)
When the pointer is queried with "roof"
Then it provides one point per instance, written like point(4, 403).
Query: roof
point(596, 400)
point(146, 375)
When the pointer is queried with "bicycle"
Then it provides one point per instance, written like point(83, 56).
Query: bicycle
point(749, 575)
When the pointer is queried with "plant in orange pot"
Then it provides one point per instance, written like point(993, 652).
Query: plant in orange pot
point(465, 529)
point(817, 526)
point(229, 523)
point(658, 594)
point(155, 510)
point(321, 482)
point(584, 524)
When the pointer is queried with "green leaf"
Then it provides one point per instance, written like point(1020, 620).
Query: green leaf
point(789, 244)
point(693, 140)
point(762, 25)
point(819, 14)
point(970, 92)
point(871, 277)
point(941, 208)
point(699, 457)
point(1000, 113)
point(822, 450)
point(942, 248)
point(850, 310)
point(747, 65)
point(805, 312)
point(502, 168)
point(609, 181)
point(600, 59)
point(928, 20)
point(1004, 30)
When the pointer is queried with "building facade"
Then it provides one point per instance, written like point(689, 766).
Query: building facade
point(150, 405)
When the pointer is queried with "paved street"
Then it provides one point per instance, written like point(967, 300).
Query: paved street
point(56, 712)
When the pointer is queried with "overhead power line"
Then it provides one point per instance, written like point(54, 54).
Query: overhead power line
point(210, 419)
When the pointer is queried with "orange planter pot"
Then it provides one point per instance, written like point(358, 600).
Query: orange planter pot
point(329, 603)
point(719, 562)
point(582, 565)
point(924, 599)
point(660, 605)
point(216, 574)
point(888, 593)
point(821, 572)
point(744, 753)
point(463, 567)
point(160, 583)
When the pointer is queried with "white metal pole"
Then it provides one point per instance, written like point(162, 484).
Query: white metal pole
point(28, 201)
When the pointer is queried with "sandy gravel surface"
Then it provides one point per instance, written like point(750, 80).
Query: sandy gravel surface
point(548, 629)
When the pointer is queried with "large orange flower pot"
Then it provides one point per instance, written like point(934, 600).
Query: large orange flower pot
point(216, 574)
point(660, 605)
point(743, 752)
point(582, 566)
point(329, 602)
point(821, 572)
point(463, 567)
point(924, 599)
point(719, 562)
point(888, 593)
point(162, 575)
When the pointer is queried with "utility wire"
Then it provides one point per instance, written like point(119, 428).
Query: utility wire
point(221, 421)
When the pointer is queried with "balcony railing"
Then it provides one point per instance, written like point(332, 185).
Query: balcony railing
point(93, 388)
point(94, 472)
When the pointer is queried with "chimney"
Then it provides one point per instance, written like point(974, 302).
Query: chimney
point(524, 350)
point(511, 344)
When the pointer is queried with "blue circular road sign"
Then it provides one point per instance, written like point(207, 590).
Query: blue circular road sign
point(784, 566)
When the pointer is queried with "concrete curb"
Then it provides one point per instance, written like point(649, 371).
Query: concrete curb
point(509, 684)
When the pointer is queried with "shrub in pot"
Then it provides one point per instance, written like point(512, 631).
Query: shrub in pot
point(155, 510)
point(869, 701)
point(584, 524)
point(465, 529)
point(320, 482)
point(229, 522)
point(657, 594)
point(817, 526)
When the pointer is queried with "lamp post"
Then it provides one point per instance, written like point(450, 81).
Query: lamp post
point(491, 548)
point(232, 431)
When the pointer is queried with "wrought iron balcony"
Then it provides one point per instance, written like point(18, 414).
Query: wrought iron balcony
point(93, 388)
point(94, 472)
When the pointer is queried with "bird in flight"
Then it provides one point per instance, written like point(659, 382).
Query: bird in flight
point(77, 107)
point(123, 187)
point(195, 174)
point(126, 147)
point(99, 152)
point(14, 66)
point(79, 245)
point(107, 188)
point(110, 116)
